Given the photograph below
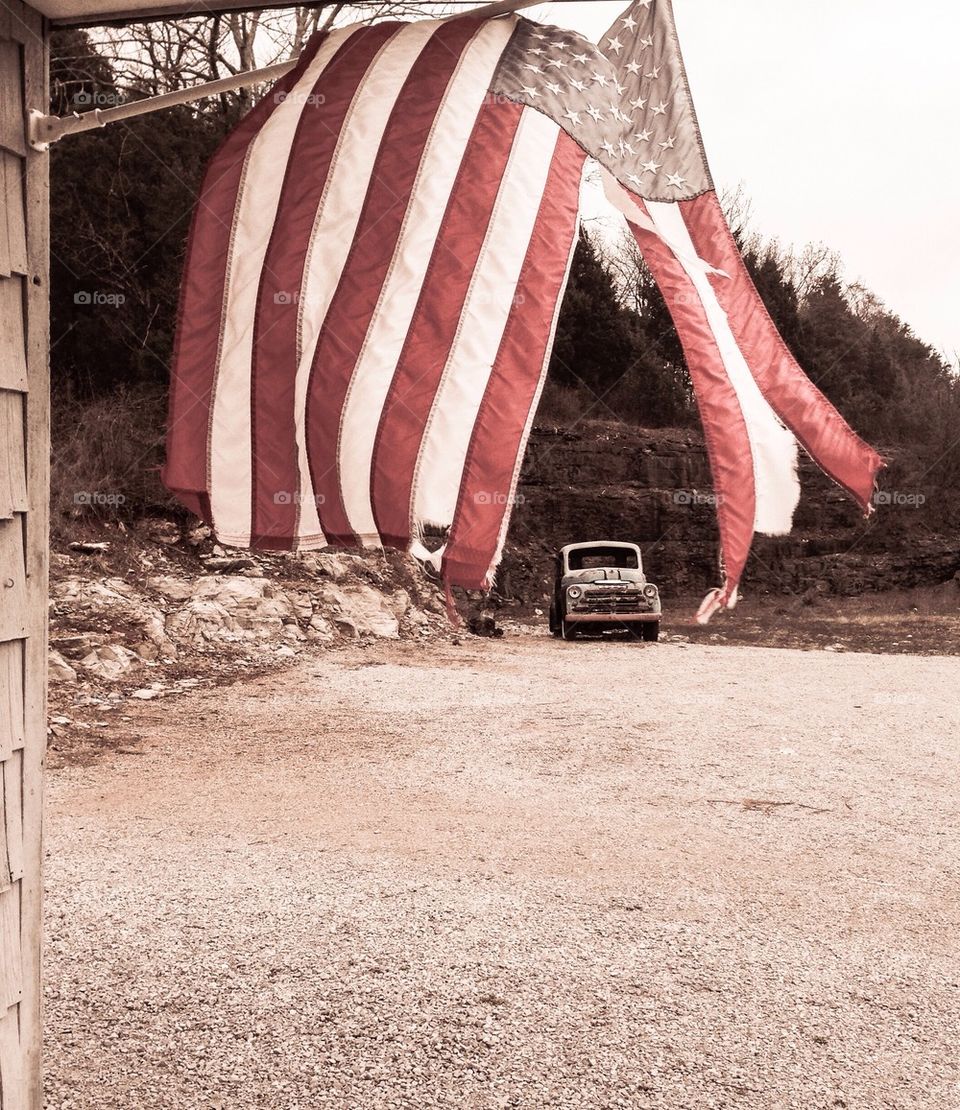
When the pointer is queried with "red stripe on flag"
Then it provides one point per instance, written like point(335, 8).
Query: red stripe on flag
point(724, 428)
point(499, 433)
point(200, 311)
point(348, 320)
point(826, 436)
point(275, 463)
point(436, 318)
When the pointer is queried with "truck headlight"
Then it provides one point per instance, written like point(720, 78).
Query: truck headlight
point(574, 592)
point(650, 591)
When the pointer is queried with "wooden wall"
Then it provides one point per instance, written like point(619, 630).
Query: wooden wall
point(24, 477)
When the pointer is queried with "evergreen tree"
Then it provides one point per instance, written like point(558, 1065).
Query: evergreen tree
point(626, 363)
point(778, 295)
point(594, 345)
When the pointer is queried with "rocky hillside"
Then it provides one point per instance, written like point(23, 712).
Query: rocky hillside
point(151, 613)
point(653, 487)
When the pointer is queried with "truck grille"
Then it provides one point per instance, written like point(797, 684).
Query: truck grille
point(611, 599)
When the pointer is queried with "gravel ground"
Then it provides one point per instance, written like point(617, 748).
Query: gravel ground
point(517, 873)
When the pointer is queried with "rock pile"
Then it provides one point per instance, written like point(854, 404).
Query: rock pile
point(110, 627)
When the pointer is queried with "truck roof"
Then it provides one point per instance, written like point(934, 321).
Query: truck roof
point(598, 543)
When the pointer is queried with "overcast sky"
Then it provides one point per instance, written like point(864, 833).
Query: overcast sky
point(840, 119)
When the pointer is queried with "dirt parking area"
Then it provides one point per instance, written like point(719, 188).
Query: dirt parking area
point(517, 873)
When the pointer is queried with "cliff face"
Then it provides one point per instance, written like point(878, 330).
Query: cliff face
point(653, 487)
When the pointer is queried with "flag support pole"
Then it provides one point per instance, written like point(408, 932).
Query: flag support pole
point(42, 130)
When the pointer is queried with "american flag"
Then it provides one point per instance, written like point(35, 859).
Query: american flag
point(374, 272)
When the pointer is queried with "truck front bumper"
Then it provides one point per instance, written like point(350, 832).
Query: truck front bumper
point(612, 618)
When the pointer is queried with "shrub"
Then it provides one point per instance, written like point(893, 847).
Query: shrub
point(106, 458)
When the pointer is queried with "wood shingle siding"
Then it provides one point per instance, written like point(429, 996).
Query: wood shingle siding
point(24, 477)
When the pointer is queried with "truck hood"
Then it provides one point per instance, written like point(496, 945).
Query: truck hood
point(604, 574)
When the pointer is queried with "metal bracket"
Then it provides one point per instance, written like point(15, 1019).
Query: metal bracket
point(44, 130)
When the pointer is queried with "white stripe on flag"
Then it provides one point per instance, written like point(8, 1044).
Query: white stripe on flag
point(384, 341)
point(773, 447)
point(535, 404)
point(486, 311)
point(333, 233)
point(230, 430)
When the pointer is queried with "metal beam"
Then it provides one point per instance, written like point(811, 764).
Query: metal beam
point(181, 9)
point(187, 9)
point(42, 130)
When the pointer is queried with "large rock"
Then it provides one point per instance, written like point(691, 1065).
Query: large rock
point(173, 589)
point(109, 661)
point(59, 669)
point(359, 610)
point(101, 593)
point(230, 607)
point(200, 621)
point(156, 644)
point(320, 629)
point(336, 566)
point(74, 646)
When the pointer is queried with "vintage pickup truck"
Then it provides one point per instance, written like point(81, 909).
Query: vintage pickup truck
point(600, 586)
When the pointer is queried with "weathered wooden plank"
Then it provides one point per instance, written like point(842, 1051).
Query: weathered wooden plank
point(13, 336)
point(11, 969)
point(14, 26)
point(11, 99)
point(5, 249)
point(13, 813)
point(6, 256)
point(14, 603)
point(13, 463)
point(14, 1090)
point(6, 879)
point(36, 95)
point(26, 24)
point(12, 718)
point(13, 228)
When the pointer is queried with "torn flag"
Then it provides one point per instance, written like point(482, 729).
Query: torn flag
point(755, 401)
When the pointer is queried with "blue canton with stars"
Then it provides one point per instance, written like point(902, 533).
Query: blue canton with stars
point(625, 103)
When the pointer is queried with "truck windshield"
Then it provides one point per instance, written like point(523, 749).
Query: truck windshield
point(588, 558)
